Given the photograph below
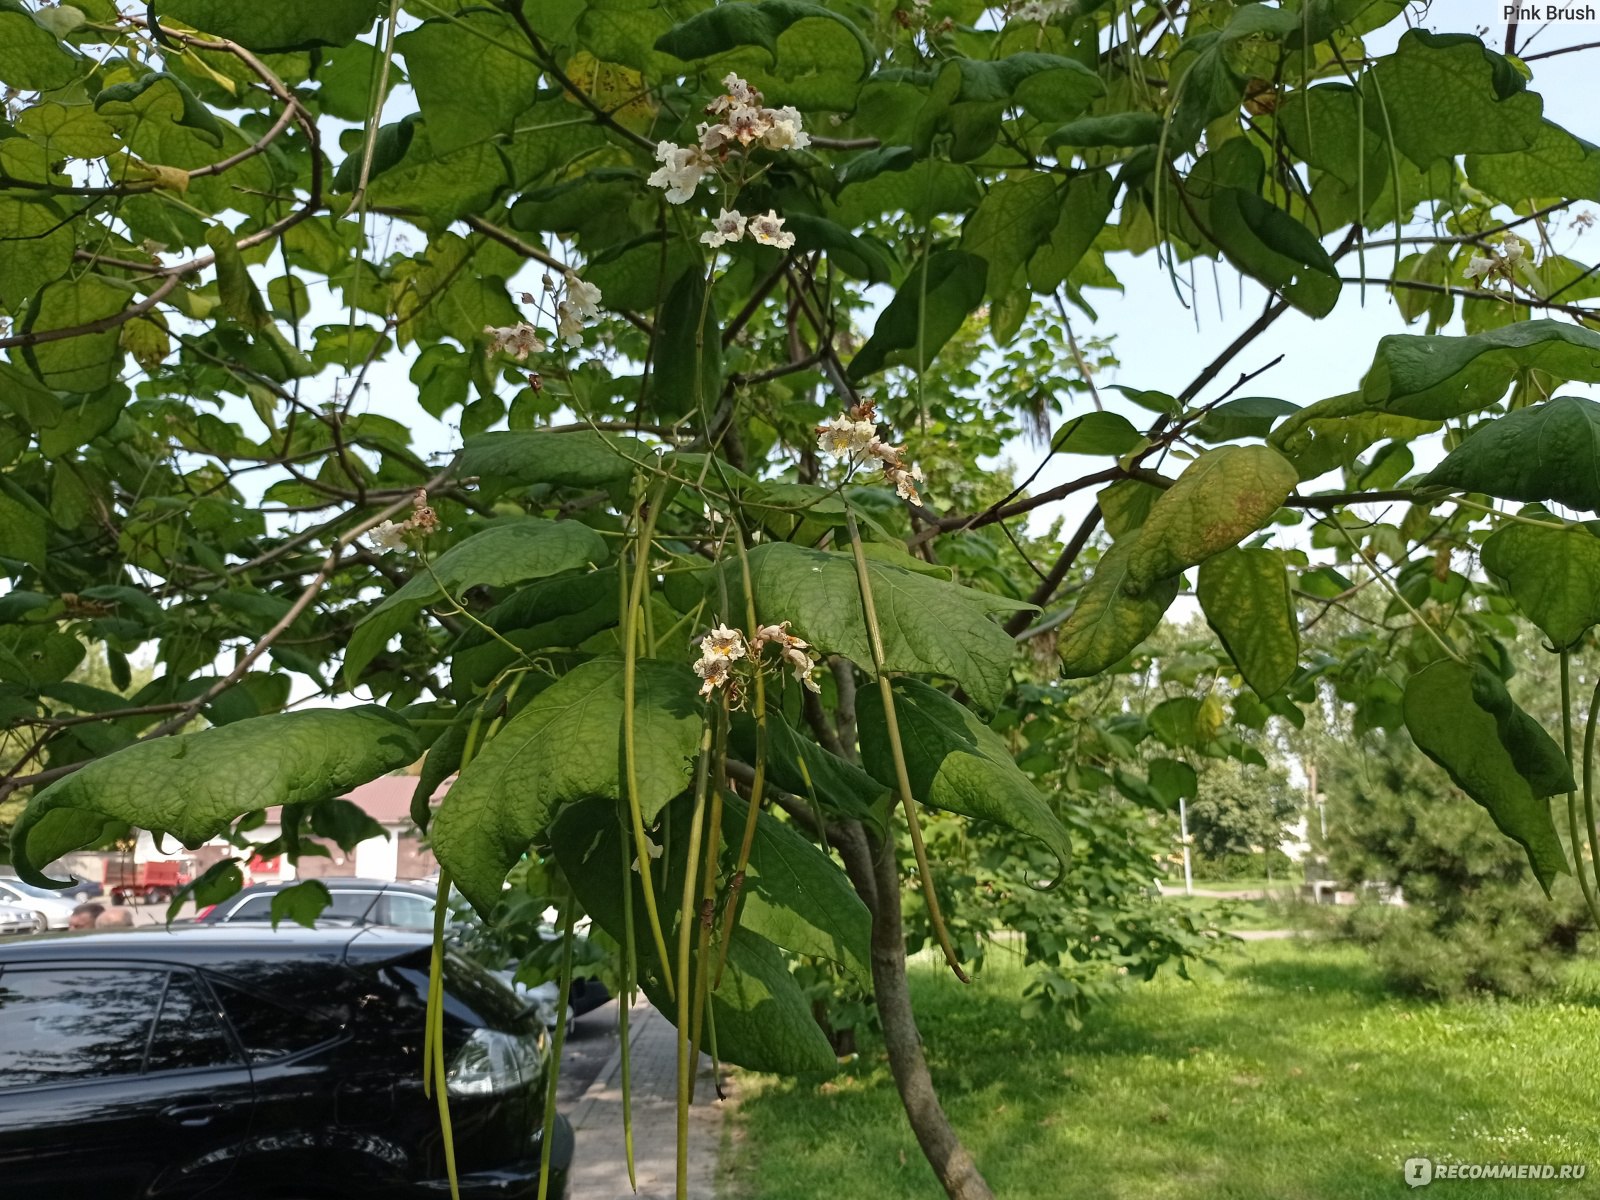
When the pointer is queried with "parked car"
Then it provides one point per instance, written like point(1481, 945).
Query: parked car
point(233, 1060)
point(398, 904)
point(15, 920)
point(52, 909)
point(81, 890)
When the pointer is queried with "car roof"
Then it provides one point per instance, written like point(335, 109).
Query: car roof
point(346, 883)
point(216, 945)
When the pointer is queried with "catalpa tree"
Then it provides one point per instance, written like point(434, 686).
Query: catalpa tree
point(708, 609)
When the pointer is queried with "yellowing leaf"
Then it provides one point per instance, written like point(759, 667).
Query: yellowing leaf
point(620, 90)
point(1224, 495)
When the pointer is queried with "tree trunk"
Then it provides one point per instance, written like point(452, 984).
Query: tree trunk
point(876, 875)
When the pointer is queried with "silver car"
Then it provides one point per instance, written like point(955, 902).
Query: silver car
point(15, 920)
point(52, 909)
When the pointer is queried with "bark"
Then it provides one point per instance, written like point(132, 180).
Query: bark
point(876, 876)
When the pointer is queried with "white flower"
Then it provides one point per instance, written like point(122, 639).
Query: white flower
point(738, 92)
point(650, 848)
point(1042, 10)
point(1480, 267)
point(714, 672)
point(519, 340)
point(785, 132)
point(682, 169)
point(584, 297)
point(723, 643)
point(1512, 250)
point(769, 231)
point(727, 227)
point(569, 323)
point(388, 535)
point(771, 633)
point(905, 481)
point(845, 438)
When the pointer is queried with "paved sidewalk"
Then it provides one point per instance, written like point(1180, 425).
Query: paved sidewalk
point(600, 1169)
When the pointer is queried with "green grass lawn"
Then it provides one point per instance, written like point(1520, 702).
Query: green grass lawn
point(1288, 1075)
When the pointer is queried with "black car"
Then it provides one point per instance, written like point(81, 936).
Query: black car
point(401, 904)
point(236, 1061)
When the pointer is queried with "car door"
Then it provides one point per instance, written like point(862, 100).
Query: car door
point(116, 1081)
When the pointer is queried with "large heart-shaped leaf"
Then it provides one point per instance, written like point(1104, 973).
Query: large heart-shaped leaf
point(1463, 718)
point(193, 787)
point(796, 897)
point(1436, 378)
point(1553, 574)
point(956, 762)
point(1550, 451)
point(1107, 623)
point(928, 625)
point(507, 552)
point(1246, 597)
point(565, 746)
point(1221, 497)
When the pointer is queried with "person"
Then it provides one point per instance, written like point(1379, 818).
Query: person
point(115, 917)
point(85, 916)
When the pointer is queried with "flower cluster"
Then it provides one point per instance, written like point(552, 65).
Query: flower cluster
point(1042, 11)
point(391, 535)
point(741, 122)
point(853, 438)
point(723, 647)
point(1497, 264)
point(579, 303)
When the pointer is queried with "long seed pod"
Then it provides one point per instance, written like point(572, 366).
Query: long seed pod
point(685, 915)
point(758, 709)
point(630, 753)
point(897, 749)
point(553, 1080)
point(433, 1035)
point(708, 884)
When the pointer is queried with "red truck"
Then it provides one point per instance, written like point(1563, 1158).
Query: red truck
point(144, 883)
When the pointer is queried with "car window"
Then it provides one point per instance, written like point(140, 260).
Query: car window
point(345, 905)
point(269, 1030)
point(404, 910)
point(59, 1024)
point(189, 1034)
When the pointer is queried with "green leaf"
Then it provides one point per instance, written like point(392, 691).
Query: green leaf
point(1096, 433)
point(1089, 200)
point(1014, 218)
point(36, 245)
point(1108, 622)
point(1108, 129)
point(1445, 95)
point(192, 787)
point(1463, 719)
point(928, 626)
point(36, 656)
point(924, 314)
point(471, 84)
point(801, 767)
point(344, 823)
point(301, 902)
point(1269, 245)
point(25, 528)
point(162, 119)
point(763, 1019)
point(31, 57)
point(513, 550)
point(969, 98)
point(1332, 433)
point(564, 611)
point(1550, 451)
point(578, 458)
point(727, 26)
point(955, 762)
point(84, 362)
point(863, 258)
point(565, 746)
point(1221, 497)
point(1557, 165)
point(1552, 574)
point(1246, 597)
point(1246, 417)
point(240, 299)
point(688, 375)
point(901, 182)
point(1437, 378)
point(796, 897)
point(280, 26)
point(1172, 781)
